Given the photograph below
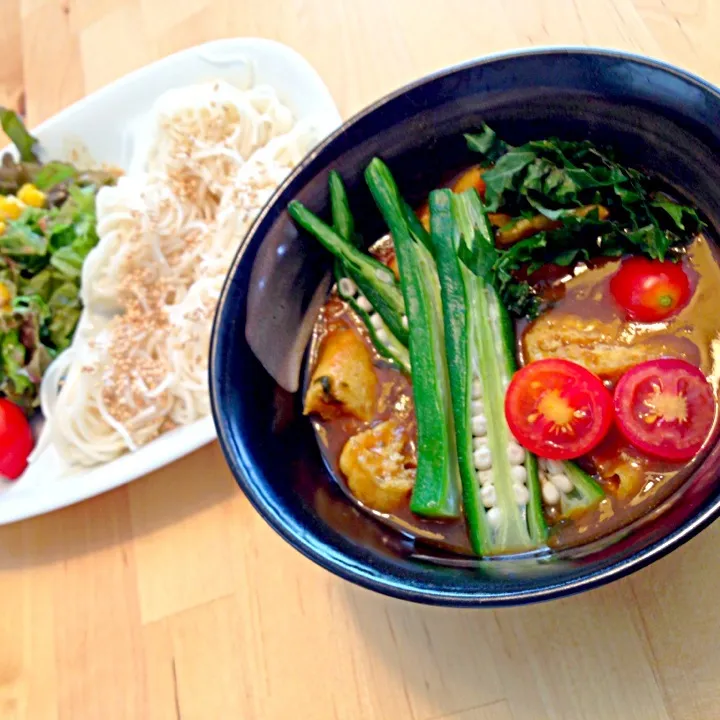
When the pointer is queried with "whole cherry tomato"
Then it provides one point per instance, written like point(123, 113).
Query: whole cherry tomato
point(650, 290)
point(16, 440)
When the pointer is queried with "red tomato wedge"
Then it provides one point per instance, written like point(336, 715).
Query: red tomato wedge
point(650, 290)
point(665, 408)
point(557, 409)
point(16, 440)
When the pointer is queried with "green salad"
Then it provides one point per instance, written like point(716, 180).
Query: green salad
point(47, 229)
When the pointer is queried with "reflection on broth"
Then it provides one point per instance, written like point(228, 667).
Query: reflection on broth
point(522, 379)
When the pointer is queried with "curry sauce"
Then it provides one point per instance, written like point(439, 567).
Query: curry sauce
point(582, 323)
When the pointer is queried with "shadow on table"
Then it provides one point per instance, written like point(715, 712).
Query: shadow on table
point(166, 497)
point(565, 658)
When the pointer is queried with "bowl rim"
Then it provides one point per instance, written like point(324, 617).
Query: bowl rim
point(330, 558)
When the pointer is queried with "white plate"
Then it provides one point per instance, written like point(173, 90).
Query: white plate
point(99, 130)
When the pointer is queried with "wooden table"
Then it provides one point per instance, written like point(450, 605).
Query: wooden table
point(171, 598)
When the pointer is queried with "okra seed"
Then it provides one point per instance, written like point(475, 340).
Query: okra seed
point(405, 322)
point(376, 321)
point(562, 482)
point(382, 336)
point(479, 425)
point(480, 442)
point(347, 287)
point(488, 495)
point(364, 303)
point(482, 459)
point(518, 474)
point(477, 407)
point(384, 276)
point(485, 477)
point(477, 391)
point(494, 517)
point(516, 454)
point(521, 494)
point(554, 467)
point(550, 493)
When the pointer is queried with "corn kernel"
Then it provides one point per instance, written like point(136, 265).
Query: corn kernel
point(31, 196)
point(5, 296)
point(10, 207)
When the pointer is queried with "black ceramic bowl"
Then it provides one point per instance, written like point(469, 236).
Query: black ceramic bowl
point(658, 117)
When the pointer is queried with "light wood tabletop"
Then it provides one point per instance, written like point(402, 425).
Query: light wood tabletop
point(171, 598)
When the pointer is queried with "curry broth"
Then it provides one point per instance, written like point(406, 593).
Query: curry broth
point(393, 399)
point(693, 334)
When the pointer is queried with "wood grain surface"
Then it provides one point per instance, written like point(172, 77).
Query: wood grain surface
point(170, 598)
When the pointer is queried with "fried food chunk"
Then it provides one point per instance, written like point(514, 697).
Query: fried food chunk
point(378, 466)
point(344, 381)
point(599, 346)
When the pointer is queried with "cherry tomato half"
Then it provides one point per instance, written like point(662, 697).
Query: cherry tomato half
point(16, 440)
point(650, 290)
point(557, 409)
point(665, 408)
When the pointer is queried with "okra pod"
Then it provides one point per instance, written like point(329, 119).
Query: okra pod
point(445, 237)
point(343, 220)
point(500, 479)
point(344, 225)
point(568, 486)
point(376, 281)
point(437, 484)
point(383, 340)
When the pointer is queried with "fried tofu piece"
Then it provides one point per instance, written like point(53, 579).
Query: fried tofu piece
point(598, 346)
point(344, 381)
point(379, 467)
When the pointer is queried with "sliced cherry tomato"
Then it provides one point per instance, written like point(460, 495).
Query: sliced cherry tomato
point(16, 440)
point(650, 290)
point(557, 409)
point(665, 408)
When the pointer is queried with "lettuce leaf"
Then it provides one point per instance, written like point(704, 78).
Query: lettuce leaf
point(41, 259)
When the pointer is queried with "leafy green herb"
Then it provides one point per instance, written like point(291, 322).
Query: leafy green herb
point(554, 178)
point(487, 142)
